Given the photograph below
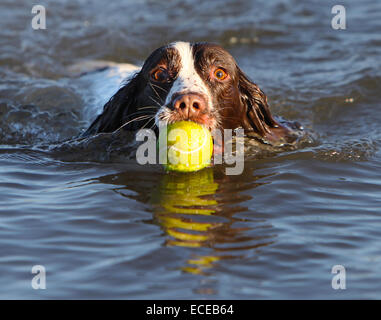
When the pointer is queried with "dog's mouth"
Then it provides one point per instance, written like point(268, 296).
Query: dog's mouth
point(167, 116)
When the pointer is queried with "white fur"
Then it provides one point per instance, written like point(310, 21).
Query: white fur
point(188, 80)
point(99, 86)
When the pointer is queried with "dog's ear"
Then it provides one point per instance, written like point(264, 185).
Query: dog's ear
point(123, 102)
point(257, 116)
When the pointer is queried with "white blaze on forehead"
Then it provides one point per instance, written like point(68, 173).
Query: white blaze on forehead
point(188, 80)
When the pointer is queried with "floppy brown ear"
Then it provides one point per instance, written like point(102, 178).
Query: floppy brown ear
point(258, 118)
point(116, 109)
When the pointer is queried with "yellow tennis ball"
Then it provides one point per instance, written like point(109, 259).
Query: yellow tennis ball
point(189, 146)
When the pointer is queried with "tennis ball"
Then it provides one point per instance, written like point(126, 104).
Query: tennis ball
point(188, 146)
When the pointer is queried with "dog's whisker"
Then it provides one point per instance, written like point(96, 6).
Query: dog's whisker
point(157, 94)
point(133, 120)
point(154, 90)
point(148, 107)
point(149, 120)
point(157, 102)
point(226, 107)
point(142, 113)
point(156, 86)
point(154, 125)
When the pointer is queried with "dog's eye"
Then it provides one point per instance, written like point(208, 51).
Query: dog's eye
point(160, 75)
point(220, 74)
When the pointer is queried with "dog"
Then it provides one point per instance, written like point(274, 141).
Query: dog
point(199, 82)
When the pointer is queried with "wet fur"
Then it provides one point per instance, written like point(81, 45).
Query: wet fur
point(238, 102)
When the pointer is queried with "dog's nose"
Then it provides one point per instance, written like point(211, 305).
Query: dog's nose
point(190, 104)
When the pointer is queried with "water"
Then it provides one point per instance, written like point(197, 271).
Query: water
point(106, 227)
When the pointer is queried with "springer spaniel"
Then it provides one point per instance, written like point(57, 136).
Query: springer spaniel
point(200, 82)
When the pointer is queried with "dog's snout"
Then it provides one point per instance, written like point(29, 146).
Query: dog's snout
point(190, 104)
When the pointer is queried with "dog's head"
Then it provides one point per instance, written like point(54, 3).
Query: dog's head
point(200, 82)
